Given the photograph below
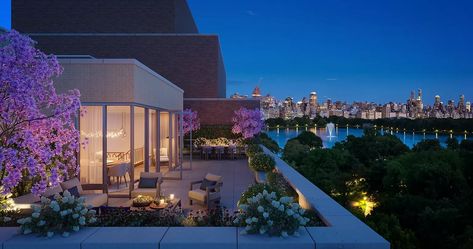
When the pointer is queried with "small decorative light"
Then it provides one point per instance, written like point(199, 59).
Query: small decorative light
point(171, 197)
point(161, 202)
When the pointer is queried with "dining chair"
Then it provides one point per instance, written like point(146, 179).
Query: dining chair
point(219, 152)
point(118, 171)
point(232, 151)
point(206, 151)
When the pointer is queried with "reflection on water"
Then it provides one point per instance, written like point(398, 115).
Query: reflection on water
point(281, 136)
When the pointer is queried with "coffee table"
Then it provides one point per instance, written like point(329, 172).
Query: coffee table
point(171, 205)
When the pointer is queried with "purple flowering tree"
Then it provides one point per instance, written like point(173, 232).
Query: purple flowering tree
point(247, 122)
point(38, 139)
point(190, 122)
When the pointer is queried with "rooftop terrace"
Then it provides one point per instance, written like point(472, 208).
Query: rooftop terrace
point(236, 179)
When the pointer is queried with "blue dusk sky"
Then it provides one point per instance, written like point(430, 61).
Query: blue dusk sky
point(367, 50)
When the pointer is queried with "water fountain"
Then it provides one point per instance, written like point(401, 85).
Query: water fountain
point(330, 127)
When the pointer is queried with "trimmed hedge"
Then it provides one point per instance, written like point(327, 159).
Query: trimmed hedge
point(214, 131)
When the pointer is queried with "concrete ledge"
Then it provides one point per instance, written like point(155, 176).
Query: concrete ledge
point(361, 238)
point(32, 241)
point(304, 241)
point(125, 238)
point(343, 230)
point(200, 238)
point(7, 233)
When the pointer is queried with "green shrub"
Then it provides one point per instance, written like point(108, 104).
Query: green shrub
point(255, 189)
point(8, 215)
point(62, 215)
point(123, 217)
point(277, 181)
point(215, 217)
point(215, 131)
point(262, 162)
point(253, 149)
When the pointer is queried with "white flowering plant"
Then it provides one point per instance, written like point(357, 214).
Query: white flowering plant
point(62, 215)
point(265, 213)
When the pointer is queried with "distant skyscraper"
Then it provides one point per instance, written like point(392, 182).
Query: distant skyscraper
point(468, 106)
point(313, 99)
point(313, 104)
point(437, 101)
point(461, 104)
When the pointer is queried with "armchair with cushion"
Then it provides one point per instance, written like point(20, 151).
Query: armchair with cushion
point(149, 185)
point(92, 197)
point(208, 192)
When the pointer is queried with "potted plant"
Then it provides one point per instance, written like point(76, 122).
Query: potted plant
point(252, 150)
point(261, 164)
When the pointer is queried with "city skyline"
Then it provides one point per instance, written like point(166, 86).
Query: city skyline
point(416, 107)
point(324, 98)
point(374, 52)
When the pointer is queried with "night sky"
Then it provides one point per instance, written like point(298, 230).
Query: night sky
point(345, 50)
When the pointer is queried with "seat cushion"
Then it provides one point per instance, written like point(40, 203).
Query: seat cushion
point(74, 191)
point(164, 159)
point(74, 182)
point(52, 191)
point(213, 177)
point(207, 183)
point(144, 191)
point(25, 202)
point(163, 152)
point(95, 200)
point(146, 182)
point(199, 195)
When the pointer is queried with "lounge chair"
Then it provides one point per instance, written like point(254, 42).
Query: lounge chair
point(92, 198)
point(206, 194)
point(153, 191)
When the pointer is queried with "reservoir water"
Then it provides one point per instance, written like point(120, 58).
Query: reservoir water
point(281, 136)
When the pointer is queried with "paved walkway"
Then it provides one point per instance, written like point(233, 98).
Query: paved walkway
point(236, 179)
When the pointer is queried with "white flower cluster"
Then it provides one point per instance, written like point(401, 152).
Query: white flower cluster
point(266, 214)
point(63, 215)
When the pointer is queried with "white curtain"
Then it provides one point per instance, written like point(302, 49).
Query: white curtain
point(91, 145)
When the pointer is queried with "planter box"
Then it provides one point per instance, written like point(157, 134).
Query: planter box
point(32, 241)
point(260, 176)
point(125, 238)
point(256, 241)
point(200, 238)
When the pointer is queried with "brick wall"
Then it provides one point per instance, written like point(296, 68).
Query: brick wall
point(108, 16)
point(218, 111)
point(192, 62)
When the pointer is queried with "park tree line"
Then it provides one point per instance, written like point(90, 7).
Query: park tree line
point(445, 125)
point(415, 198)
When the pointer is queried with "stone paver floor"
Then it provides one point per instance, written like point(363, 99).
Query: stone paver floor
point(236, 179)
